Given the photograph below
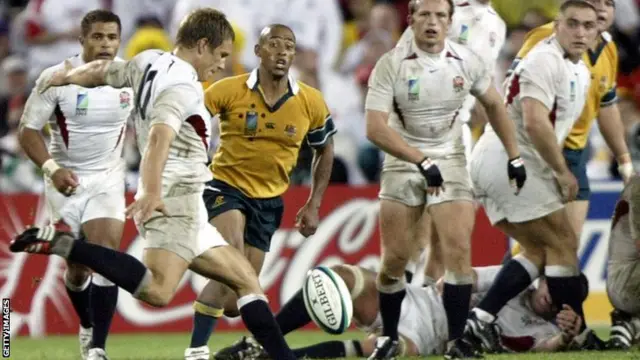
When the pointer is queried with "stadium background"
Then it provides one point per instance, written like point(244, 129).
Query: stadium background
point(339, 42)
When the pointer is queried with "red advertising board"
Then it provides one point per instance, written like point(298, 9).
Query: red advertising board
point(348, 232)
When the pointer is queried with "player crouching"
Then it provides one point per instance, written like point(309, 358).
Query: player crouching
point(623, 273)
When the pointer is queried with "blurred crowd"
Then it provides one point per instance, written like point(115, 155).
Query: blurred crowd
point(339, 42)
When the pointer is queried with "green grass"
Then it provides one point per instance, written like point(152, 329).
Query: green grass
point(171, 347)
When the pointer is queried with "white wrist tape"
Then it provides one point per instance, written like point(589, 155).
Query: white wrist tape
point(626, 170)
point(50, 167)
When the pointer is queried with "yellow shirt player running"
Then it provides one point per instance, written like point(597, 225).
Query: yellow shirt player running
point(264, 118)
point(602, 60)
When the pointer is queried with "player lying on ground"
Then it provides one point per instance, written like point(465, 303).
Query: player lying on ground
point(545, 97)
point(527, 320)
point(623, 268)
point(265, 115)
point(172, 129)
point(84, 170)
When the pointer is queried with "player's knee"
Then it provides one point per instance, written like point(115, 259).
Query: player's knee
point(77, 275)
point(395, 258)
point(157, 296)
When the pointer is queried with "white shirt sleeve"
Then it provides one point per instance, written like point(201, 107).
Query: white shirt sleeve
point(122, 74)
point(482, 76)
point(539, 75)
point(39, 107)
point(174, 104)
point(381, 85)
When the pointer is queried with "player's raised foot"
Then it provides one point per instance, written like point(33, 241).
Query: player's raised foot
point(35, 240)
point(199, 353)
point(486, 335)
point(622, 333)
point(85, 336)
point(243, 349)
point(385, 349)
point(461, 349)
point(587, 341)
point(97, 354)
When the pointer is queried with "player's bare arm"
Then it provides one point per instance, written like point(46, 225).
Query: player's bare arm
point(37, 110)
point(387, 139)
point(612, 129)
point(92, 74)
point(569, 322)
point(506, 131)
point(308, 219)
point(153, 160)
point(540, 130)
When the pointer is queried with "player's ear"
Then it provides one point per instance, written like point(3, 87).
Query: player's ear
point(256, 50)
point(202, 45)
point(410, 19)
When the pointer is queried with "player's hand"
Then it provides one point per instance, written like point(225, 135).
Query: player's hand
point(569, 322)
point(142, 209)
point(430, 171)
point(626, 171)
point(517, 173)
point(568, 185)
point(58, 78)
point(307, 220)
point(65, 181)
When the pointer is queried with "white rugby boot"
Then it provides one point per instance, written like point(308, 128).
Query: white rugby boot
point(199, 353)
point(85, 336)
point(97, 354)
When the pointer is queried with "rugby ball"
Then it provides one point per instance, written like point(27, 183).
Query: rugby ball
point(328, 300)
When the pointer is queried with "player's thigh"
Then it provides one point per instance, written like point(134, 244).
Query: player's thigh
point(227, 265)
point(623, 286)
point(231, 225)
point(167, 269)
point(64, 210)
point(104, 231)
point(397, 228)
point(186, 231)
point(577, 212)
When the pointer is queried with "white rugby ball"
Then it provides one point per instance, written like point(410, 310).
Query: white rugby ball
point(328, 300)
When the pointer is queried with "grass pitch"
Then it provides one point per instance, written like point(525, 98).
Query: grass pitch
point(171, 347)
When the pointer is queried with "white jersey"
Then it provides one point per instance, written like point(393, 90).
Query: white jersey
point(424, 93)
point(479, 27)
point(546, 75)
point(87, 125)
point(167, 92)
point(523, 329)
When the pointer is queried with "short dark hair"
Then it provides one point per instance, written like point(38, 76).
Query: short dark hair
point(581, 4)
point(205, 23)
point(413, 7)
point(98, 16)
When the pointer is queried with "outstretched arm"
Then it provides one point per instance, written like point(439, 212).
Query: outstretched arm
point(92, 74)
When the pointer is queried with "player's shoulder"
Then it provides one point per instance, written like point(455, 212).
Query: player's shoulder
point(534, 37)
point(312, 97)
point(465, 54)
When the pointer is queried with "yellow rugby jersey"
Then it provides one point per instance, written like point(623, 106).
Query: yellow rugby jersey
point(603, 65)
point(259, 144)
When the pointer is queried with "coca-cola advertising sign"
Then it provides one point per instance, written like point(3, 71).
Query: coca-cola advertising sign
point(348, 233)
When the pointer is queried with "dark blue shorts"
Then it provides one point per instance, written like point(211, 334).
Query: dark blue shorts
point(577, 163)
point(263, 216)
